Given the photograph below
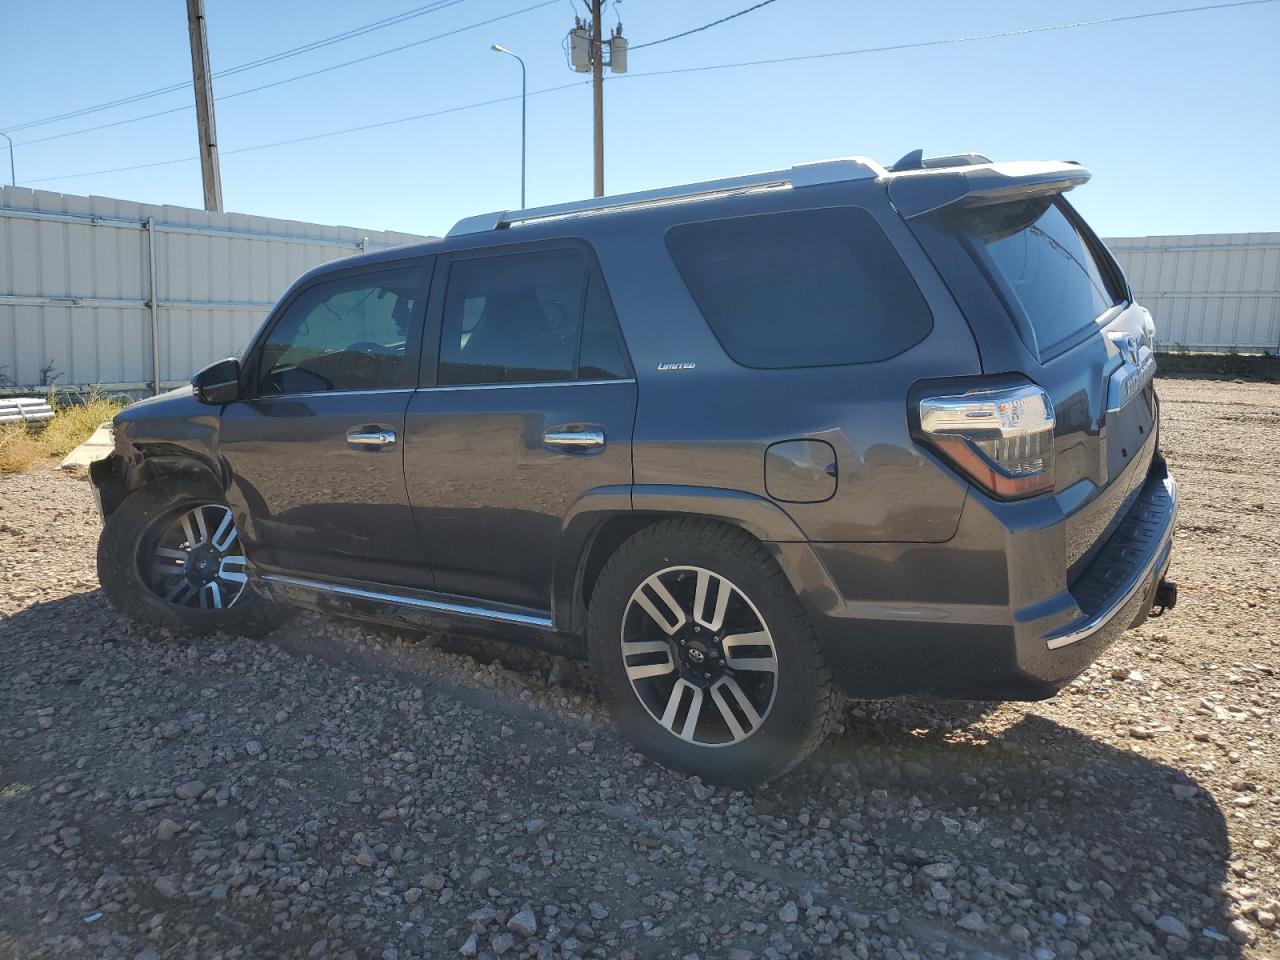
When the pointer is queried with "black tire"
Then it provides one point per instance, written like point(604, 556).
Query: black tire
point(804, 706)
point(124, 542)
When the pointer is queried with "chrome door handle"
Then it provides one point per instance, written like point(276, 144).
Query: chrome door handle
point(574, 439)
point(375, 438)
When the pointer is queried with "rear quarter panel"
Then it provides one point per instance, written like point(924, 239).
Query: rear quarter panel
point(709, 424)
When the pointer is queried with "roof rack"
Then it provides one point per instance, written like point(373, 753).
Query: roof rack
point(803, 175)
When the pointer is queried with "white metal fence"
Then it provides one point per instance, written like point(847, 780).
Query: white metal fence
point(122, 295)
point(1215, 292)
point(110, 293)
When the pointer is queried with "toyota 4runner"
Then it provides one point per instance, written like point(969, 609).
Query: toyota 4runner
point(752, 444)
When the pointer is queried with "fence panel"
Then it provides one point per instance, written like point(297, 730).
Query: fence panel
point(1215, 292)
point(76, 285)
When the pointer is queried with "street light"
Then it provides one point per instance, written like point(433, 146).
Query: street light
point(499, 48)
point(12, 179)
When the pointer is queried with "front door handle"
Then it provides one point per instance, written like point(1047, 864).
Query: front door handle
point(373, 438)
point(574, 440)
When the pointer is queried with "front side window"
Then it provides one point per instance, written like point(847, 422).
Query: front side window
point(1048, 264)
point(353, 333)
point(532, 317)
point(811, 288)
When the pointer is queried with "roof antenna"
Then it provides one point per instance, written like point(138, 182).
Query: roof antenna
point(911, 161)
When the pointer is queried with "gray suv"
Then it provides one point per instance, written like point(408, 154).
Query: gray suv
point(752, 445)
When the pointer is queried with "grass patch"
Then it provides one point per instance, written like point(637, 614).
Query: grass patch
point(18, 448)
point(75, 418)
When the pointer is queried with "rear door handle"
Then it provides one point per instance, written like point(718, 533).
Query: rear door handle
point(574, 440)
point(372, 438)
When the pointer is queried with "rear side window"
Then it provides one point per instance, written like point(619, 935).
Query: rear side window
point(1049, 265)
point(601, 356)
point(811, 288)
point(528, 318)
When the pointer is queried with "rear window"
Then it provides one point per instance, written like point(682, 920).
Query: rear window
point(1049, 265)
point(811, 288)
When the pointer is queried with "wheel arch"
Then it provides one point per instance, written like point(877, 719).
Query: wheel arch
point(117, 476)
point(602, 522)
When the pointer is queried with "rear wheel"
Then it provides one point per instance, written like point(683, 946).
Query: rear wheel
point(708, 660)
point(170, 556)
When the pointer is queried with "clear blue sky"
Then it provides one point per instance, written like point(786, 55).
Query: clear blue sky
point(1176, 116)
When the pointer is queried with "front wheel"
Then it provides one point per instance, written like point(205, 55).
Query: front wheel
point(170, 556)
point(707, 658)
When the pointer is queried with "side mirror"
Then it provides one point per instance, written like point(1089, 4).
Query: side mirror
point(218, 383)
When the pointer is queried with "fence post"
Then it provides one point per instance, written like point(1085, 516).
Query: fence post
point(152, 293)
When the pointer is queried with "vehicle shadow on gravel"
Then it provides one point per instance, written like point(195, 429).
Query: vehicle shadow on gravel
point(1104, 843)
point(977, 829)
point(1135, 845)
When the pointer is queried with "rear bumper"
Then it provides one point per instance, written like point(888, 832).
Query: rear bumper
point(1117, 589)
point(987, 615)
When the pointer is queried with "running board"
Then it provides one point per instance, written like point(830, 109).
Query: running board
point(395, 607)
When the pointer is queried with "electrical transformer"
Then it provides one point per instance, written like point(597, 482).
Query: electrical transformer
point(580, 49)
point(618, 53)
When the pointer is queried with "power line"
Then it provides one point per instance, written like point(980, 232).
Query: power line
point(398, 120)
point(107, 126)
point(441, 4)
point(678, 70)
point(320, 136)
point(705, 26)
point(950, 40)
point(299, 76)
point(339, 37)
point(261, 61)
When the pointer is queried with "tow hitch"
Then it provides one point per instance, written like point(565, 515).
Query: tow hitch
point(1166, 597)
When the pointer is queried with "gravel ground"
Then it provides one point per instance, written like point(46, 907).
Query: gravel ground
point(337, 791)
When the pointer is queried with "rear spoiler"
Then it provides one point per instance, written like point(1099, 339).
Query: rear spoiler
point(923, 191)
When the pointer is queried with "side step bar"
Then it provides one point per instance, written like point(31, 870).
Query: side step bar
point(443, 605)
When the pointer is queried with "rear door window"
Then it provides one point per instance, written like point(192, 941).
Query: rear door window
point(532, 317)
point(809, 288)
point(1049, 264)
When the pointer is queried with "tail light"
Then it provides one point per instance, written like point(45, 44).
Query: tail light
point(999, 437)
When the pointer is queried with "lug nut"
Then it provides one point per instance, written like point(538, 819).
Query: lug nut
point(706, 676)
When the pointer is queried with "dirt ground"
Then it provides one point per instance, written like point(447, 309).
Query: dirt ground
point(338, 791)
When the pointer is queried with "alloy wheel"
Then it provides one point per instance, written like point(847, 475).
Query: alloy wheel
point(196, 560)
point(699, 656)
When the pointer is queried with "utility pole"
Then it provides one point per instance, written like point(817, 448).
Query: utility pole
point(597, 92)
point(586, 53)
point(208, 128)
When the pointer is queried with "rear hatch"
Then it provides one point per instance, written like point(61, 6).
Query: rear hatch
point(1047, 302)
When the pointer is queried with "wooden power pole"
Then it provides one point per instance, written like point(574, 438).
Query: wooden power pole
point(208, 127)
point(597, 90)
point(586, 47)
